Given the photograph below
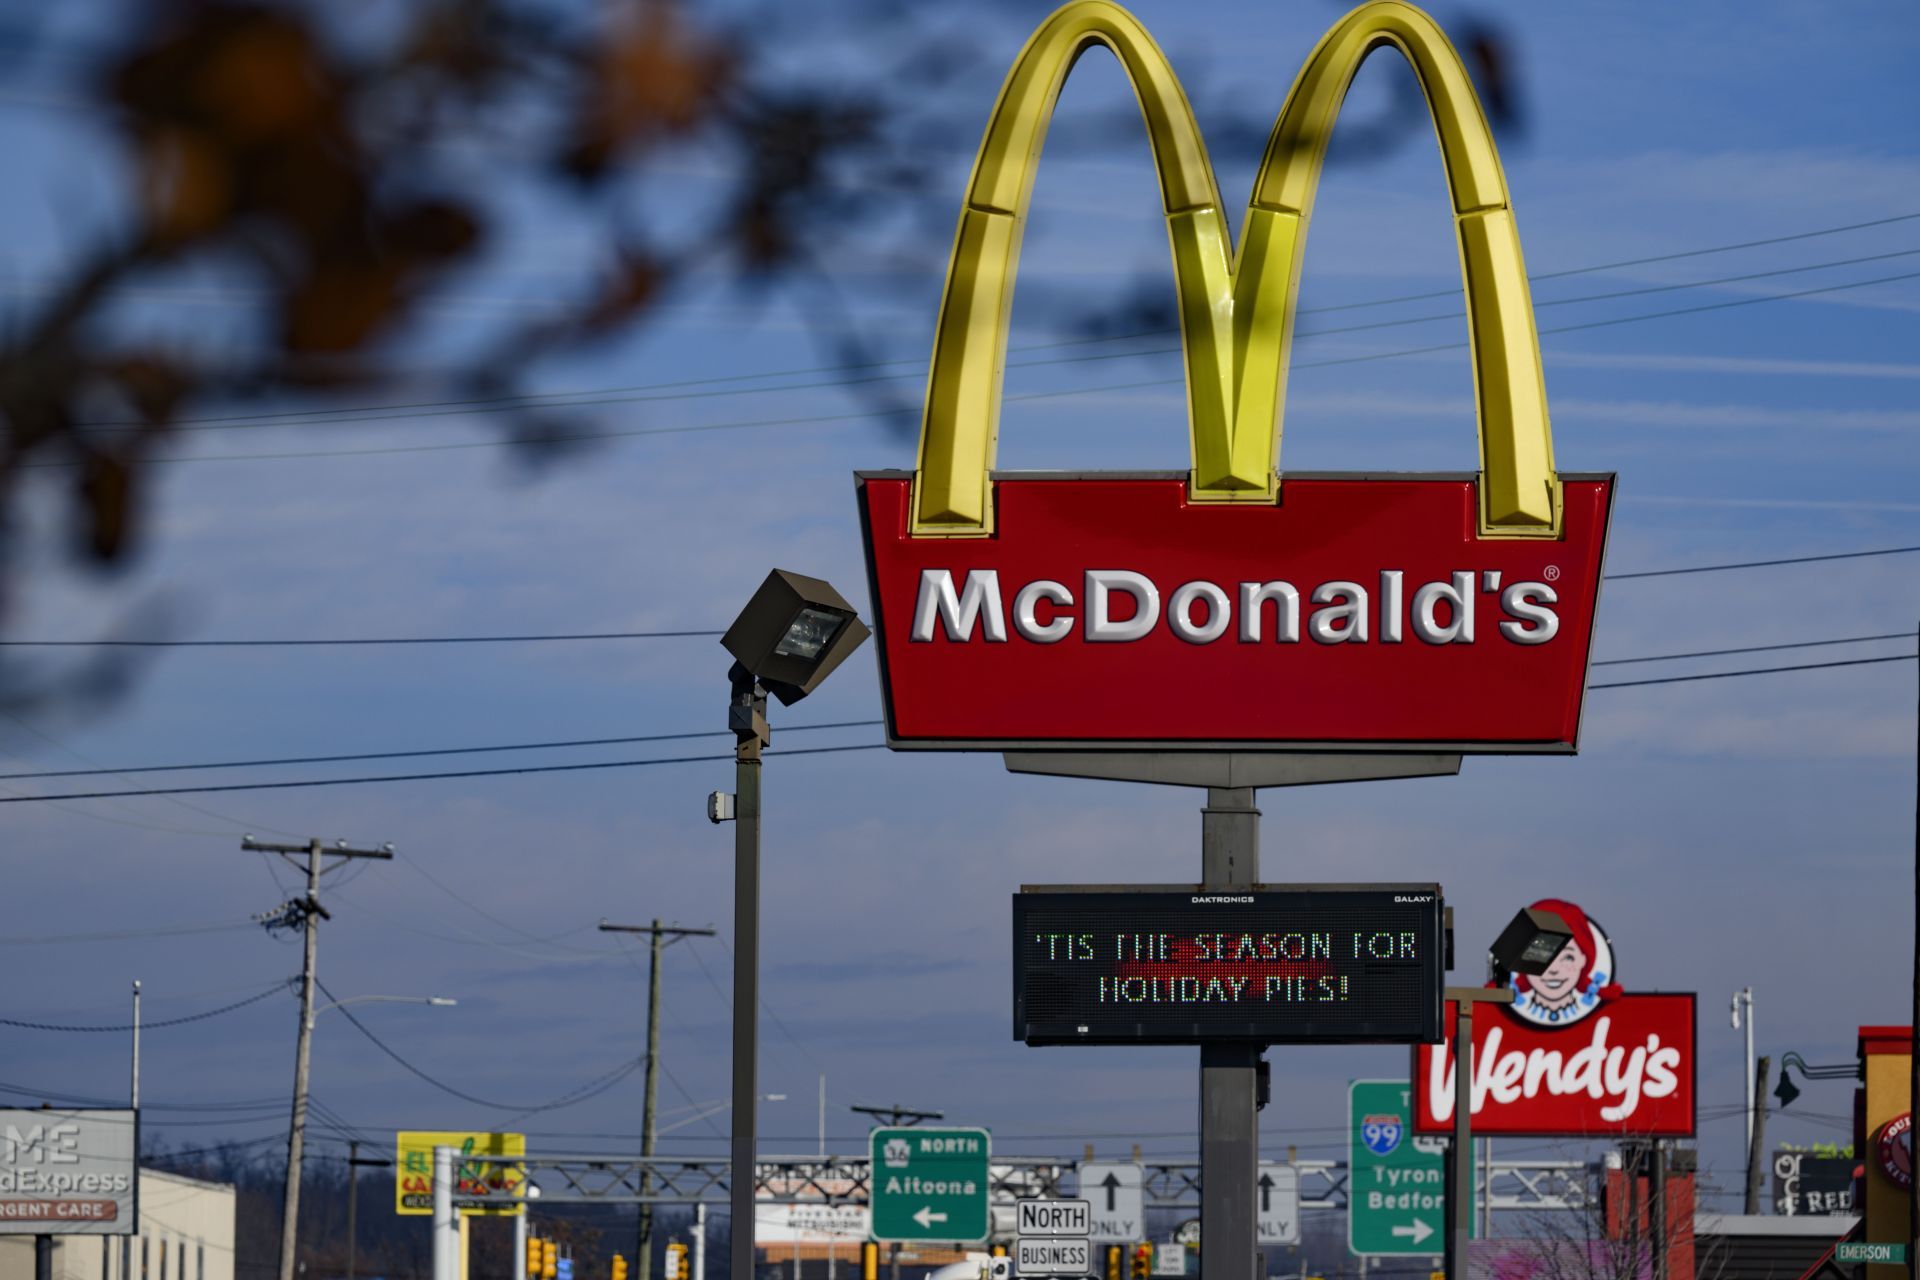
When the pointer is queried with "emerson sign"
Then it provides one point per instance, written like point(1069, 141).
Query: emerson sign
point(1272, 965)
point(68, 1173)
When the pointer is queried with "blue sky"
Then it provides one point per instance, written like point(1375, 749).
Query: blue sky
point(1728, 833)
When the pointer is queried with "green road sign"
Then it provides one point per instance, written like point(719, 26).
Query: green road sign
point(1860, 1251)
point(929, 1184)
point(1396, 1184)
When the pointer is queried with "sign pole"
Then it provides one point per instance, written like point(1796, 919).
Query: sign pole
point(748, 719)
point(1460, 1152)
point(446, 1237)
point(1229, 1120)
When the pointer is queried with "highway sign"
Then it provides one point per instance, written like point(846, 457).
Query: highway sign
point(1170, 1259)
point(1053, 1218)
point(1114, 1192)
point(1052, 1257)
point(1277, 1210)
point(1396, 1183)
point(1861, 1251)
point(929, 1184)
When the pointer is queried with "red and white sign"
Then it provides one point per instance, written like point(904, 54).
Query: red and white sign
point(1572, 1056)
point(1355, 613)
point(1626, 1071)
point(1894, 1150)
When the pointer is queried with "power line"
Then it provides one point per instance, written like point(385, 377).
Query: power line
point(437, 751)
point(1752, 671)
point(256, 998)
point(859, 415)
point(118, 935)
point(647, 635)
point(1760, 564)
point(558, 398)
point(1756, 648)
point(800, 751)
point(598, 1084)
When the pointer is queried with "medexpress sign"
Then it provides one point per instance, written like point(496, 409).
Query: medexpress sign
point(69, 1173)
point(1225, 606)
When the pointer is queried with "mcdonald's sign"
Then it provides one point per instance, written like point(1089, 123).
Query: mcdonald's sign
point(1227, 606)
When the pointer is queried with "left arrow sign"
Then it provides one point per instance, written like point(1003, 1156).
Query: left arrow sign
point(926, 1217)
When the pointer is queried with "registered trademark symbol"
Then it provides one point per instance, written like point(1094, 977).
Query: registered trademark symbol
point(1551, 573)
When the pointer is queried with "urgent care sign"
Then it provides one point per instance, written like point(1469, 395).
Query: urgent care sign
point(1572, 1056)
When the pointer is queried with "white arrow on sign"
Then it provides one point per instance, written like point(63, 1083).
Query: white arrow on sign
point(926, 1217)
point(1419, 1230)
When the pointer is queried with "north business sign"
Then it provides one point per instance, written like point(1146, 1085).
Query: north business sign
point(1272, 965)
point(69, 1173)
point(1224, 607)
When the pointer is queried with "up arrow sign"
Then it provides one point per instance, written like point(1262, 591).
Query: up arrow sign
point(1419, 1230)
point(1111, 1183)
point(1266, 1193)
point(926, 1217)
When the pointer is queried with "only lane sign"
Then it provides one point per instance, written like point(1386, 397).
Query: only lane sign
point(1277, 1204)
point(1117, 1201)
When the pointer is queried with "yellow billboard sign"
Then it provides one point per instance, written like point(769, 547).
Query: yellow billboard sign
point(413, 1170)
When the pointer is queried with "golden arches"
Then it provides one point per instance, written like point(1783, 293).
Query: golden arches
point(1236, 312)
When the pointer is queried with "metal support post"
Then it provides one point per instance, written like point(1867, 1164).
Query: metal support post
point(353, 1203)
point(446, 1225)
point(43, 1258)
point(747, 717)
point(1657, 1209)
point(1460, 1150)
point(699, 1242)
point(1229, 1121)
point(520, 1244)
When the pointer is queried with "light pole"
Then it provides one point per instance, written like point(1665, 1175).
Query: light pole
point(792, 634)
point(1742, 1016)
point(290, 1225)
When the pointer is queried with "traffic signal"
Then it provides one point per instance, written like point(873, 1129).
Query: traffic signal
point(1142, 1261)
point(620, 1268)
point(676, 1261)
point(534, 1255)
point(549, 1260)
point(1113, 1262)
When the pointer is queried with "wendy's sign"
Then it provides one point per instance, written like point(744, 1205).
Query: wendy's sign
point(1224, 606)
point(1573, 1056)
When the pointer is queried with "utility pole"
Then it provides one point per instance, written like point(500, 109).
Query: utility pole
point(661, 937)
point(897, 1115)
point(308, 913)
point(1757, 1145)
point(133, 1094)
point(354, 1165)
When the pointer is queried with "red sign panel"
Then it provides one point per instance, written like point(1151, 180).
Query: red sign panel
point(1625, 1069)
point(1356, 613)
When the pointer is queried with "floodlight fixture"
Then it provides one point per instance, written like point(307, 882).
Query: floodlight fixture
point(1529, 943)
point(792, 634)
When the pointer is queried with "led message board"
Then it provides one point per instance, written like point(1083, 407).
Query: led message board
point(1274, 964)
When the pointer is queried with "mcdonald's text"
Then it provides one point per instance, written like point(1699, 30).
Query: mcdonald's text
point(1201, 612)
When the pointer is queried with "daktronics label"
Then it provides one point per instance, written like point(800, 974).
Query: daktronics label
point(1345, 964)
point(1353, 613)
